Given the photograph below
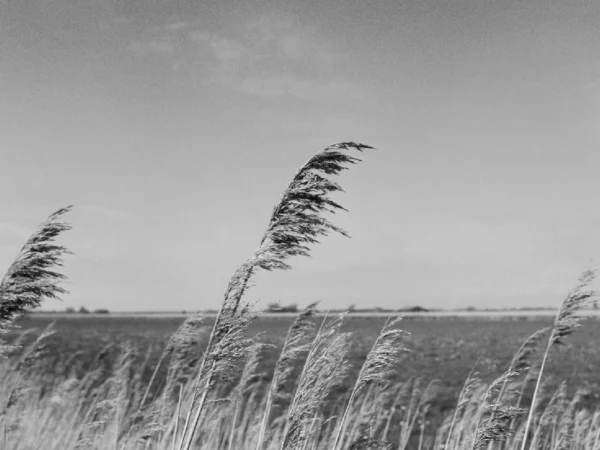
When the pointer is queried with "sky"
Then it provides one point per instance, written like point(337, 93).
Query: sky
point(174, 127)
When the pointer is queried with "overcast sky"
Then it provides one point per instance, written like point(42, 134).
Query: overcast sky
point(174, 126)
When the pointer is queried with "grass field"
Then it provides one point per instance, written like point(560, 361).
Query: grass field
point(245, 381)
point(440, 348)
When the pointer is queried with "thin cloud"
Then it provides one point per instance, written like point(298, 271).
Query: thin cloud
point(175, 27)
point(161, 47)
point(594, 87)
point(294, 42)
point(123, 19)
point(303, 47)
point(224, 50)
point(267, 58)
point(157, 39)
point(303, 89)
point(291, 64)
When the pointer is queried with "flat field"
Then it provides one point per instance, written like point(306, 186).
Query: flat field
point(440, 348)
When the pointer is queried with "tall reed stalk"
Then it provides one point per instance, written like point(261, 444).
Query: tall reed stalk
point(32, 277)
point(296, 223)
point(379, 365)
point(564, 324)
point(296, 343)
point(324, 369)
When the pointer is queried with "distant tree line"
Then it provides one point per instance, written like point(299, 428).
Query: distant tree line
point(276, 308)
point(84, 310)
point(293, 308)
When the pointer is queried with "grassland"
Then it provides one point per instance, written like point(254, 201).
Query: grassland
point(239, 380)
point(442, 348)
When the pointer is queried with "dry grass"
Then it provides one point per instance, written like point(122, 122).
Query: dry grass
point(222, 401)
point(32, 276)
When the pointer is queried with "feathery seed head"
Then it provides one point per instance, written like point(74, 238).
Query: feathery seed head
point(296, 344)
point(384, 355)
point(186, 335)
point(567, 319)
point(324, 369)
point(31, 277)
point(521, 359)
point(497, 426)
point(296, 221)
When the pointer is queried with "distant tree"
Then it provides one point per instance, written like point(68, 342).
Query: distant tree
point(101, 311)
point(292, 308)
point(83, 310)
point(273, 307)
point(70, 310)
point(277, 308)
point(352, 308)
point(471, 308)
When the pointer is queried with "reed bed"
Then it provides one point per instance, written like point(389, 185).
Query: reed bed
point(223, 399)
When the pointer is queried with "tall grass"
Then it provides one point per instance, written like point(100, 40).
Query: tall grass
point(566, 321)
point(32, 277)
point(295, 224)
point(223, 400)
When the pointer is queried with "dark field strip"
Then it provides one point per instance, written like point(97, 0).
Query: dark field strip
point(443, 349)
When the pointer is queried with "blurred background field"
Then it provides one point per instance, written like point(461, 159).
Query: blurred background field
point(440, 348)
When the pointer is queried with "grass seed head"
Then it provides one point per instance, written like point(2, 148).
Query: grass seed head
point(32, 276)
point(568, 319)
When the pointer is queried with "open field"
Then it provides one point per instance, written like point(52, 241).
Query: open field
point(431, 315)
point(444, 348)
point(242, 381)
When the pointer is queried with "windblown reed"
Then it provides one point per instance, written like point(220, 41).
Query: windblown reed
point(32, 277)
point(566, 321)
point(295, 224)
point(221, 400)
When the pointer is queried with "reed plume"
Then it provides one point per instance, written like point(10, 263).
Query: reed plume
point(420, 401)
point(296, 223)
point(378, 366)
point(566, 321)
point(296, 343)
point(470, 386)
point(250, 376)
point(180, 342)
point(496, 428)
point(496, 425)
point(550, 413)
point(521, 359)
point(32, 277)
point(365, 440)
point(325, 368)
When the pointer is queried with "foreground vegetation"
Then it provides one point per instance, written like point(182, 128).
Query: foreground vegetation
point(221, 399)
